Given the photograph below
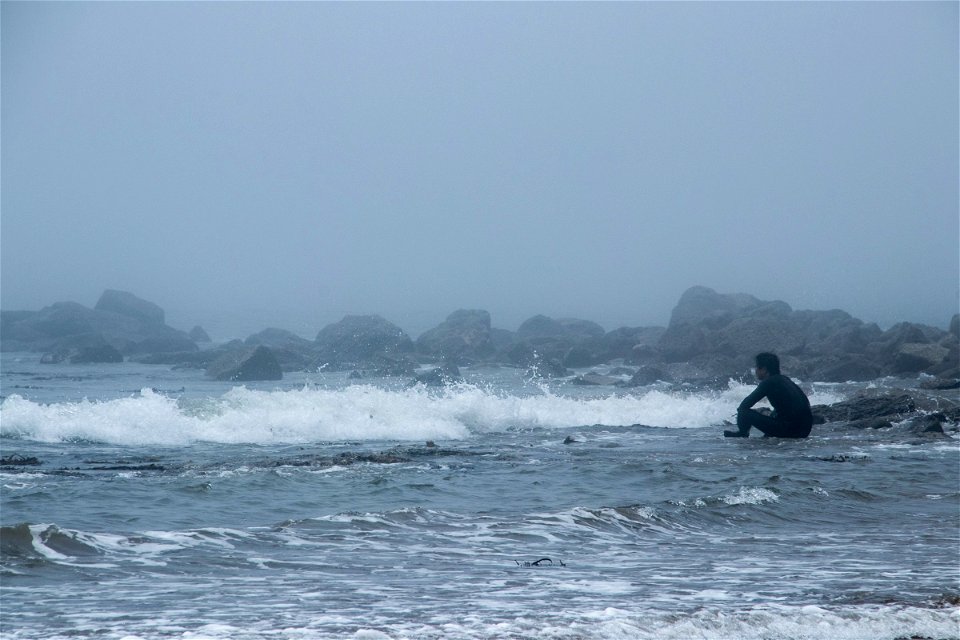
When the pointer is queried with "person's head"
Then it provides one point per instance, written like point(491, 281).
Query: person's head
point(768, 364)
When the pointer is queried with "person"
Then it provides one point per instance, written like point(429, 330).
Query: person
point(791, 417)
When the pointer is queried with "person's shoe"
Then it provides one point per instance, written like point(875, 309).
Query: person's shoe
point(735, 434)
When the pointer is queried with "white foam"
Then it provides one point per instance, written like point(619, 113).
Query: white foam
point(747, 495)
point(360, 412)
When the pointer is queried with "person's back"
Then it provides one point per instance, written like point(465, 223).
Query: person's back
point(791, 409)
point(787, 399)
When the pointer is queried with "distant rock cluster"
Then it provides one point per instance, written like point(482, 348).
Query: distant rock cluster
point(711, 336)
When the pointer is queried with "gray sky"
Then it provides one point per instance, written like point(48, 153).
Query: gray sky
point(246, 165)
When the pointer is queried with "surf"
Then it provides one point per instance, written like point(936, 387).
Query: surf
point(360, 412)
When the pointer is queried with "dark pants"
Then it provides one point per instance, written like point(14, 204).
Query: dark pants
point(770, 426)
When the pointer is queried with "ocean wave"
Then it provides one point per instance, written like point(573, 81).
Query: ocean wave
point(360, 412)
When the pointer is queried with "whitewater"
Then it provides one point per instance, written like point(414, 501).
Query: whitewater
point(142, 502)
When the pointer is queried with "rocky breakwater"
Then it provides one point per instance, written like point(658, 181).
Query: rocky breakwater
point(713, 334)
point(121, 324)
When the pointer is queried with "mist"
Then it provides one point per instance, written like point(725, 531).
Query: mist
point(246, 165)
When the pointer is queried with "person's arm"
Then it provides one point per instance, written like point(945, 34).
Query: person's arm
point(758, 394)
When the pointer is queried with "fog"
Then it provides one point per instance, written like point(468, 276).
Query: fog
point(246, 165)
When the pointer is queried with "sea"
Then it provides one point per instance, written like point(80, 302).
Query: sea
point(143, 502)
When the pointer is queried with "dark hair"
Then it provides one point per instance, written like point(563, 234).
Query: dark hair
point(768, 361)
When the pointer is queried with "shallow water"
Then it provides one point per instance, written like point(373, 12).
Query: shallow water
point(169, 506)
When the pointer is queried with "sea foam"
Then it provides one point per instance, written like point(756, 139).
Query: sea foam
point(359, 412)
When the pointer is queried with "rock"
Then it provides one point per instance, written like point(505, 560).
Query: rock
point(682, 342)
point(843, 369)
point(584, 329)
point(166, 342)
point(826, 345)
point(197, 334)
point(538, 365)
point(871, 423)
point(257, 363)
point(18, 460)
point(636, 345)
point(501, 338)
point(281, 338)
point(930, 423)
point(127, 304)
point(357, 340)
point(940, 384)
point(703, 306)
point(570, 342)
point(579, 357)
point(886, 348)
point(68, 325)
point(913, 357)
point(540, 326)
point(464, 336)
point(891, 406)
point(955, 326)
point(103, 353)
point(292, 352)
point(541, 367)
point(55, 357)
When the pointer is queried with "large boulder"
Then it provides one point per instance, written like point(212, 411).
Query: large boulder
point(584, 329)
point(569, 342)
point(540, 326)
point(293, 352)
point(537, 363)
point(127, 304)
point(842, 368)
point(357, 341)
point(464, 336)
point(914, 357)
point(635, 345)
point(245, 365)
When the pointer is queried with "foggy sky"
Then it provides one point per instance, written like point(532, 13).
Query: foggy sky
point(247, 165)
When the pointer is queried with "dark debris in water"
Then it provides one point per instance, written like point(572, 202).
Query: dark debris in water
point(542, 562)
point(341, 459)
point(393, 456)
point(844, 457)
point(17, 460)
point(129, 467)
